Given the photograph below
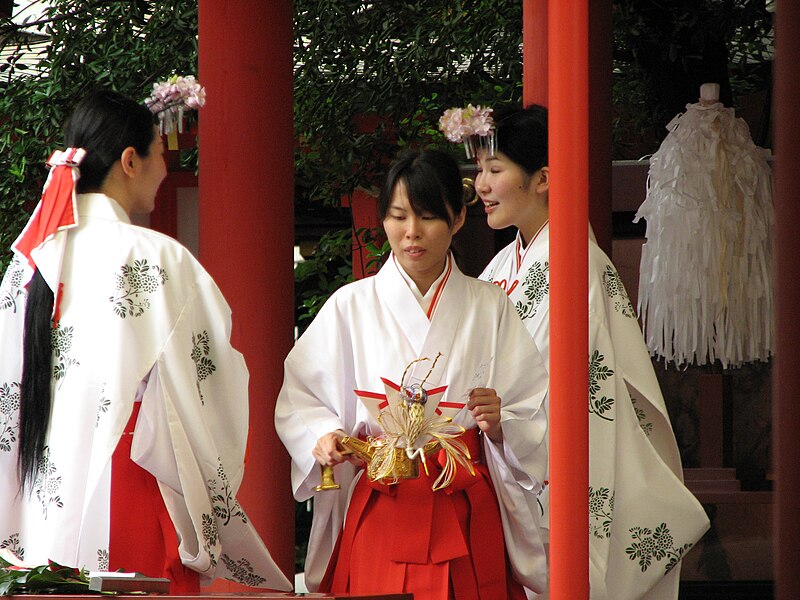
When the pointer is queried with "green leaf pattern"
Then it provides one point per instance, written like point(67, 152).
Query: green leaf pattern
point(226, 507)
point(599, 372)
point(601, 511)
point(102, 559)
point(134, 285)
point(536, 286)
point(103, 405)
point(13, 546)
point(641, 416)
point(47, 483)
point(655, 545)
point(11, 288)
point(9, 407)
point(201, 348)
point(616, 292)
point(242, 571)
point(210, 536)
point(61, 339)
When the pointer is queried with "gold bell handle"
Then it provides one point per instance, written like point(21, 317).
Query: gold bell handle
point(328, 482)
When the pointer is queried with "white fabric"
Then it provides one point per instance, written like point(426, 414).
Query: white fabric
point(373, 328)
point(705, 288)
point(635, 474)
point(140, 318)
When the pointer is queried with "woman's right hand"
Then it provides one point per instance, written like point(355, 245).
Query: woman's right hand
point(328, 450)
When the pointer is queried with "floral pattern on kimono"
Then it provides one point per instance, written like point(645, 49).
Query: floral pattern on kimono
point(140, 321)
point(640, 512)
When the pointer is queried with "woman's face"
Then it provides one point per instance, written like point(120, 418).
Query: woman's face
point(506, 190)
point(152, 172)
point(419, 242)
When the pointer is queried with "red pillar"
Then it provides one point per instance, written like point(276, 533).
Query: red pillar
point(786, 409)
point(568, 50)
point(534, 52)
point(246, 225)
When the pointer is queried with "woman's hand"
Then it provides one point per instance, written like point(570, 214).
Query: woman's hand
point(329, 451)
point(484, 405)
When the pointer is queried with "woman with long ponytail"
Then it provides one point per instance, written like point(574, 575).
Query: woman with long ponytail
point(123, 405)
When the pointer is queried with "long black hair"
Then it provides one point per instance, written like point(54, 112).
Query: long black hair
point(104, 123)
point(432, 180)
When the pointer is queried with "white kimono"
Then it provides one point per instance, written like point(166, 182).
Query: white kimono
point(372, 329)
point(141, 320)
point(642, 519)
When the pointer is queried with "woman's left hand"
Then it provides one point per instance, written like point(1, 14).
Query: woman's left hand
point(484, 405)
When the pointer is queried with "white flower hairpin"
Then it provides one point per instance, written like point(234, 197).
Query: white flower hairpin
point(472, 126)
point(172, 97)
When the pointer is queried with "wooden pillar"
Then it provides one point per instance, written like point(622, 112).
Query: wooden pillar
point(786, 408)
point(246, 225)
point(534, 52)
point(568, 82)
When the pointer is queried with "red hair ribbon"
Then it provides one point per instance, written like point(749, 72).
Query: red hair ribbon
point(56, 210)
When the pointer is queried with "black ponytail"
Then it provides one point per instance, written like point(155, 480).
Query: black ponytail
point(37, 371)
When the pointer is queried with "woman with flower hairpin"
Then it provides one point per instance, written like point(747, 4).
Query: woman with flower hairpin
point(642, 519)
point(123, 406)
point(419, 370)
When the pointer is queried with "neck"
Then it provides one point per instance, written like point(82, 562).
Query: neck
point(425, 280)
point(531, 227)
point(114, 187)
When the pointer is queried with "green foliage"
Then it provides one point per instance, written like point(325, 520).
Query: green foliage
point(325, 271)
point(126, 46)
point(45, 579)
point(331, 266)
point(370, 80)
point(664, 51)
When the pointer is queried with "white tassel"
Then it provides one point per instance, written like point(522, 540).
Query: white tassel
point(705, 287)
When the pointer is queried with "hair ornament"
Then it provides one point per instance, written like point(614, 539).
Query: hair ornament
point(472, 126)
point(55, 213)
point(169, 99)
point(71, 157)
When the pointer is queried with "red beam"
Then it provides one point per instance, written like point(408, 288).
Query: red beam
point(568, 57)
point(534, 52)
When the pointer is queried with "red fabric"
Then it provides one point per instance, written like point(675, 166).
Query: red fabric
point(437, 545)
point(142, 536)
point(54, 212)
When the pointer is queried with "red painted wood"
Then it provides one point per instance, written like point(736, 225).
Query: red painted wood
point(246, 225)
point(568, 81)
point(534, 52)
point(786, 408)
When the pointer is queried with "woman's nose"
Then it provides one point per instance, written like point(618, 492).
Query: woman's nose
point(481, 184)
point(412, 228)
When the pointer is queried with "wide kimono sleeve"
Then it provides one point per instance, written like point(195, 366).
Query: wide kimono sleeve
point(318, 380)
point(191, 435)
point(642, 518)
point(12, 313)
point(518, 465)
